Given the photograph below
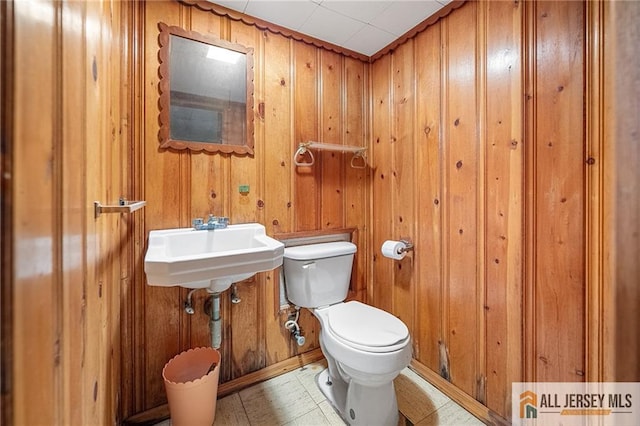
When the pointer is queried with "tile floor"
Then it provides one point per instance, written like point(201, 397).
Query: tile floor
point(294, 399)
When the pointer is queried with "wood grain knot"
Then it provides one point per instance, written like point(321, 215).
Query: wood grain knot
point(455, 123)
point(459, 164)
point(591, 161)
point(94, 69)
point(260, 204)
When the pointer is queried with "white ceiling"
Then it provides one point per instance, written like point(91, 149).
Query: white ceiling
point(363, 26)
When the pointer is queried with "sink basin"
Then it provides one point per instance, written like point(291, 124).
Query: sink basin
point(211, 259)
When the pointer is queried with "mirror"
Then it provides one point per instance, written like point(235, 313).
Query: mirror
point(206, 93)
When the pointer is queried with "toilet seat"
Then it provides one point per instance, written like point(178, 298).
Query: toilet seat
point(366, 328)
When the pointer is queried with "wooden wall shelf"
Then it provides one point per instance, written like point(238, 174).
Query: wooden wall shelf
point(304, 147)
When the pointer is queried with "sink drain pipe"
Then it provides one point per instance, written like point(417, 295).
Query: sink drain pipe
point(215, 321)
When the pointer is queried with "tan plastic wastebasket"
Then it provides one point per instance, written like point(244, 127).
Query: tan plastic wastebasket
point(192, 386)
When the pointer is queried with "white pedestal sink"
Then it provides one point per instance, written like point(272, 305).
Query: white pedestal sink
point(211, 259)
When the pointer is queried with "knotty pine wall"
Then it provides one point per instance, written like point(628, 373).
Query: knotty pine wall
point(302, 93)
point(65, 144)
point(481, 155)
point(478, 153)
point(482, 130)
point(447, 148)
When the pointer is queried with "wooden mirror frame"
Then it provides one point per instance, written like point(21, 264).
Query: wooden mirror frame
point(164, 134)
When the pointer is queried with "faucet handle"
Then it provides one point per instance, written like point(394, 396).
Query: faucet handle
point(223, 220)
point(197, 221)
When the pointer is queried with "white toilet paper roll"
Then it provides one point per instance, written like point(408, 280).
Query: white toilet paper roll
point(394, 249)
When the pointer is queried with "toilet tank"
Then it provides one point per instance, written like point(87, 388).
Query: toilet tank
point(318, 274)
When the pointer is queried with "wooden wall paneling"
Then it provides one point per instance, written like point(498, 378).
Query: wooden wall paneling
point(481, 130)
point(131, 303)
point(380, 293)
point(354, 132)
point(530, 120)
point(35, 297)
point(307, 188)
point(427, 255)
point(307, 180)
point(164, 194)
point(595, 326)
point(276, 111)
point(247, 336)
point(331, 163)
point(625, 190)
point(247, 169)
point(246, 339)
point(559, 193)
point(461, 174)
point(103, 183)
point(7, 124)
point(504, 199)
point(403, 178)
point(74, 219)
point(66, 349)
point(122, 179)
point(443, 344)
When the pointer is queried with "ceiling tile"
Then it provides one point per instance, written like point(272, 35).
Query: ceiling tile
point(358, 10)
point(369, 40)
point(289, 14)
point(401, 16)
point(342, 22)
point(331, 26)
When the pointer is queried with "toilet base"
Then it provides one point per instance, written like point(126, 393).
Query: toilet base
point(360, 405)
point(334, 391)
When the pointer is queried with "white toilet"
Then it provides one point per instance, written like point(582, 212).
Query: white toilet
point(365, 347)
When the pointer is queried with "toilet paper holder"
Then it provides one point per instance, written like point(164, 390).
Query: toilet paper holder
point(408, 246)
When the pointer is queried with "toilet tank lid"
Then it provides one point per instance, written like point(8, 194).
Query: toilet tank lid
point(319, 251)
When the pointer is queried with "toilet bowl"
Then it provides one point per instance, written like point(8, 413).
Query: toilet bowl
point(365, 347)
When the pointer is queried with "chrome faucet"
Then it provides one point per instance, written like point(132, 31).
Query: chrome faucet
point(213, 222)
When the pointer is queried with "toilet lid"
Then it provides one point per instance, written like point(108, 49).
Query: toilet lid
point(367, 328)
